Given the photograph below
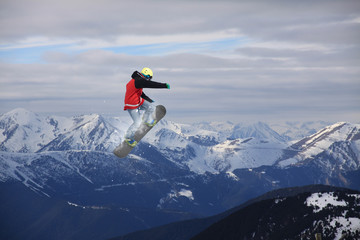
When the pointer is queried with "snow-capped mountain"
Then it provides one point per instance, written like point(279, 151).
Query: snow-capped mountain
point(87, 133)
point(202, 147)
point(258, 130)
point(334, 147)
point(24, 131)
point(194, 169)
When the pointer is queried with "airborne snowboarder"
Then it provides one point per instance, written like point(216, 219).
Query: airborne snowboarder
point(136, 100)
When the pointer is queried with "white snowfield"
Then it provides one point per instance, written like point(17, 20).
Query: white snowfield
point(201, 147)
point(322, 201)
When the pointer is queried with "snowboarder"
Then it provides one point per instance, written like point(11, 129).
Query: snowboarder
point(136, 100)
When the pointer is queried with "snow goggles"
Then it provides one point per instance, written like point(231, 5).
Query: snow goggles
point(148, 77)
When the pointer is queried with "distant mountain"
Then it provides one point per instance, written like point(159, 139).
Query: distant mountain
point(180, 170)
point(238, 222)
point(225, 146)
point(298, 130)
point(258, 130)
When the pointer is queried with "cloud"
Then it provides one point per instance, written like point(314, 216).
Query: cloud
point(214, 87)
point(224, 60)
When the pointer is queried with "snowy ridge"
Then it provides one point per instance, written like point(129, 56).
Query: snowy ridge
point(321, 140)
point(202, 147)
point(338, 142)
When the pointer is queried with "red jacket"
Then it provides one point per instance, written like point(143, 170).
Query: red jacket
point(134, 96)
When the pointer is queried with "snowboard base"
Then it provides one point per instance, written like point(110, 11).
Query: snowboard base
point(124, 148)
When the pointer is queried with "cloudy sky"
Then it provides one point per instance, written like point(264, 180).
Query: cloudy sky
point(225, 60)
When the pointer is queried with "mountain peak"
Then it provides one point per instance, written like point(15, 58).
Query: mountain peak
point(20, 115)
point(18, 110)
point(258, 130)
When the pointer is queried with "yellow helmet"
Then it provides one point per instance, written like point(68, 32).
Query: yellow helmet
point(147, 73)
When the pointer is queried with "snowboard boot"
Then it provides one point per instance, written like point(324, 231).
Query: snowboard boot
point(151, 124)
point(131, 142)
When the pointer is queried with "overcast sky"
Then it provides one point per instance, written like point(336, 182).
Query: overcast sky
point(225, 60)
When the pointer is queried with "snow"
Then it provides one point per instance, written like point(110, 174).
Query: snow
point(279, 200)
point(173, 195)
point(289, 161)
point(323, 132)
point(91, 207)
point(186, 193)
point(321, 200)
point(240, 153)
point(344, 224)
point(75, 205)
point(200, 166)
point(212, 151)
point(232, 176)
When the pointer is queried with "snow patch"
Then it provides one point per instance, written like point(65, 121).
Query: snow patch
point(232, 176)
point(321, 200)
point(288, 162)
point(186, 193)
point(173, 195)
point(344, 224)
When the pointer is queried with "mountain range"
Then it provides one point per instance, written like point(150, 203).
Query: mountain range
point(178, 171)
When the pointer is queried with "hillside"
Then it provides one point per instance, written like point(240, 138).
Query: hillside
point(334, 215)
point(268, 216)
point(28, 215)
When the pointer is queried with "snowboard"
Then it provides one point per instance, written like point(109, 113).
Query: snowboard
point(124, 148)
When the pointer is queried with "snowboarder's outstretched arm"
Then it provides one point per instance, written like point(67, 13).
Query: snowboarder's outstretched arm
point(141, 82)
